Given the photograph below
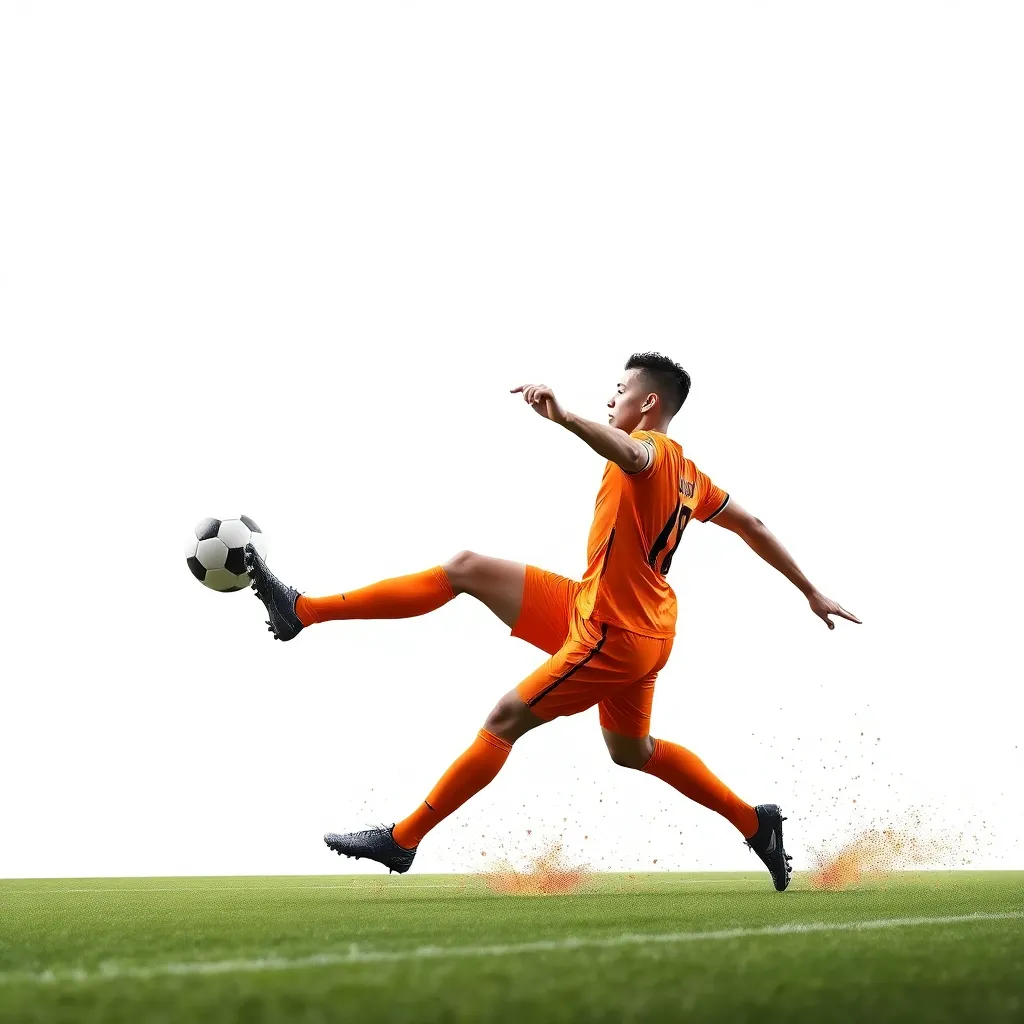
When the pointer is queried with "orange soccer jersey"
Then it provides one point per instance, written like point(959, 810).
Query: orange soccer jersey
point(611, 634)
point(638, 524)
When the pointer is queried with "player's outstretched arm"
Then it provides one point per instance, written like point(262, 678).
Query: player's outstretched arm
point(615, 445)
point(763, 542)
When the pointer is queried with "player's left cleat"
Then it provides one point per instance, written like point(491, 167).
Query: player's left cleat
point(766, 842)
point(375, 844)
point(277, 597)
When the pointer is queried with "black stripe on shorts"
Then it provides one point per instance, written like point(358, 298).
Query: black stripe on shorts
point(561, 679)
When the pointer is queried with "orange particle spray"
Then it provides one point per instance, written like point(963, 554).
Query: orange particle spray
point(878, 852)
point(546, 875)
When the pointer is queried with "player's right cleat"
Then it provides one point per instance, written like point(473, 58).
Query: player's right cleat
point(766, 842)
point(375, 844)
point(277, 597)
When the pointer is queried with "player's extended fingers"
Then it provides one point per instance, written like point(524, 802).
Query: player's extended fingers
point(515, 391)
point(848, 615)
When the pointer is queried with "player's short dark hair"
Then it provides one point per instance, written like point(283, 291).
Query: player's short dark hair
point(669, 381)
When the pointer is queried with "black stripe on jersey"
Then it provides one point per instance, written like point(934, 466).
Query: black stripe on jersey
point(607, 553)
point(717, 510)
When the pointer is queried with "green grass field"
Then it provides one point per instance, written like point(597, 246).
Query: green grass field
point(916, 947)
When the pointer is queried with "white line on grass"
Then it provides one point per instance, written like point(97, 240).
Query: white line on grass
point(355, 955)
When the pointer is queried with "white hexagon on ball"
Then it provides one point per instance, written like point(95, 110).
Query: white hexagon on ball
point(223, 580)
point(234, 533)
point(212, 553)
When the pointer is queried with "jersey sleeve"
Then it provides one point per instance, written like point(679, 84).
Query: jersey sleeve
point(711, 499)
point(657, 446)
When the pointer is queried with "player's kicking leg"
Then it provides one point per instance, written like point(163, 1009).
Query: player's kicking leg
point(761, 826)
point(495, 582)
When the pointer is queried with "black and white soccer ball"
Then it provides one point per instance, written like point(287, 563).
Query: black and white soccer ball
point(216, 552)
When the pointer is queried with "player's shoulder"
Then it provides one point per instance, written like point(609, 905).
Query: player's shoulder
point(656, 437)
point(666, 453)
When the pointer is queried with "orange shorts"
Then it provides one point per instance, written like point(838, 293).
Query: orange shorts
point(591, 663)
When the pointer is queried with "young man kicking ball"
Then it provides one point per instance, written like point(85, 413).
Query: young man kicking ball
point(608, 636)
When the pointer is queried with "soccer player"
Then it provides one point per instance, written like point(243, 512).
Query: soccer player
point(607, 636)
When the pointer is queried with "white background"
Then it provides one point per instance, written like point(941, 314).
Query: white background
point(288, 261)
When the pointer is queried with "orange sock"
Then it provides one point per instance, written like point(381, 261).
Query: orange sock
point(467, 776)
point(400, 598)
point(686, 772)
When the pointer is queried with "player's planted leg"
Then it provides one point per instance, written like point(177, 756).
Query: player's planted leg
point(278, 598)
point(761, 826)
point(395, 847)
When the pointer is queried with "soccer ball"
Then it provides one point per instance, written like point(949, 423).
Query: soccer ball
point(216, 552)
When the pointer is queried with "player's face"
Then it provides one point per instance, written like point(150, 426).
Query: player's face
point(625, 407)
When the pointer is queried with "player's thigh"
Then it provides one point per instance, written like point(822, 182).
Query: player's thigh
point(625, 713)
point(593, 663)
point(567, 683)
point(547, 609)
point(495, 582)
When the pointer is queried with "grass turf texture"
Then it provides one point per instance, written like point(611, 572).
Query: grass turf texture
point(446, 948)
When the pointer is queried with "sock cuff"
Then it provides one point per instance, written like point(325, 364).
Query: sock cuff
point(446, 584)
point(655, 759)
point(494, 741)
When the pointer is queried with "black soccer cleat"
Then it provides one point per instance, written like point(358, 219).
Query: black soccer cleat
point(375, 844)
point(766, 842)
point(277, 597)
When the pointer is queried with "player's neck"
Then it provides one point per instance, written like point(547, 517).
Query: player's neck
point(658, 426)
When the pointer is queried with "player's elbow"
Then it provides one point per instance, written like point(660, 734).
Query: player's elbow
point(751, 528)
point(741, 522)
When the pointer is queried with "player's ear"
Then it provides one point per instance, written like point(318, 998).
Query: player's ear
point(649, 402)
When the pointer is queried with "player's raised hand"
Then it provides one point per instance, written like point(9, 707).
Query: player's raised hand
point(823, 607)
point(543, 400)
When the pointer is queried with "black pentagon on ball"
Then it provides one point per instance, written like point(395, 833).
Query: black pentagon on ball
point(235, 562)
point(197, 567)
point(252, 526)
point(207, 528)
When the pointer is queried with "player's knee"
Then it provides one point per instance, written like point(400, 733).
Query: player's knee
point(462, 570)
point(502, 719)
point(631, 753)
point(510, 718)
point(628, 759)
